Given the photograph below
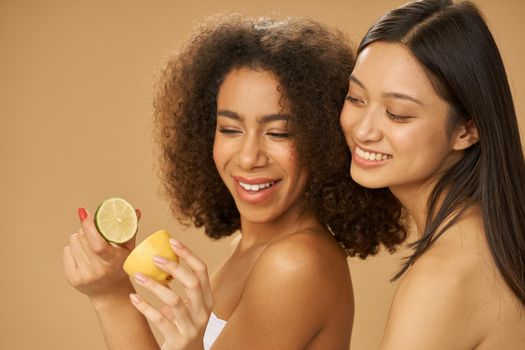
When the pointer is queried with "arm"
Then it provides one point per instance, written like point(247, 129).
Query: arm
point(283, 306)
point(94, 267)
point(433, 308)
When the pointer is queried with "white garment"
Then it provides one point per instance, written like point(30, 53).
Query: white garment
point(213, 329)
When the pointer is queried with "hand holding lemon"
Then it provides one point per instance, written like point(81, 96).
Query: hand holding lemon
point(141, 258)
point(153, 263)
point(116, 220)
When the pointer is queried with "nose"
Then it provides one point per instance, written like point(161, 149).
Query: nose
point(252, 153)
point(361, 124)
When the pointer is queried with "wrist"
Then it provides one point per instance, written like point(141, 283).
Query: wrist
point(117, 296)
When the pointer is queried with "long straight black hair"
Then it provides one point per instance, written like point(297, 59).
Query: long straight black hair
point(454, 45)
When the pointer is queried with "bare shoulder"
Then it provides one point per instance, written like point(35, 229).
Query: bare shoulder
point(453, 296)
point(298, 284)
point(441, 301)
point(432, 307)
point(304, 250)
point(307, 269)
point(306, 255)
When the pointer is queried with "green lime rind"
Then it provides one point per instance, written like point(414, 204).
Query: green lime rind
point(104, 231)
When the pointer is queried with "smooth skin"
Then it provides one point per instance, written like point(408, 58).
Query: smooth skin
point(453, 296)
point(286, 271)
point(286, 282)
point(94, 267)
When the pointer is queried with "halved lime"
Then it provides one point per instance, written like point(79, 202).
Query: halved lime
point(116, 220)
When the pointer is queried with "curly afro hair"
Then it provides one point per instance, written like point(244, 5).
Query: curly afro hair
point(313, 64)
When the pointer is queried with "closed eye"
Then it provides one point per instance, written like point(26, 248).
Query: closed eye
point(353, 100)
point(228, 131)
point(279, 134)
point(398, 118)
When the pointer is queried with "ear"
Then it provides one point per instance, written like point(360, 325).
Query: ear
point(465, 136)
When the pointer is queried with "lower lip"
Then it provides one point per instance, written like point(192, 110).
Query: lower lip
point(368, 164)
point(252, 197)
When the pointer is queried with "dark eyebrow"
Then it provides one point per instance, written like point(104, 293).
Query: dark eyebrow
point(398, 95)
point(264, 119)
point(273, 117)
point(357, 81)
point(401, 96)
point(228, 114)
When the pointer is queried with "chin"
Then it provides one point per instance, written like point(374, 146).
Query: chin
point(255, 219)
point(367, 180)
point(256, 216)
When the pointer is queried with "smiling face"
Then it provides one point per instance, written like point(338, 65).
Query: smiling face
point(252, 149)
point(395, 123)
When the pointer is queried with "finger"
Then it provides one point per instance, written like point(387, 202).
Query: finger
point(82, 238)
point(197, 266)
point(192, 287)
point(176, 305)
point(129, 245)
point(167, 328)
point(78, 253)
point(70, 266)
point(98, 244)
point(166, 311)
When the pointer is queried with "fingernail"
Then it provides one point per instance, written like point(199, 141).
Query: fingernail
point(82, 214)
point(160, 259)
point(134, 298)
point(176, 243)
point(139, 213)
point(140, 278)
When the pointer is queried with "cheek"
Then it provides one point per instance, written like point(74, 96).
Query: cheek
point(422, 149)
point(345, 118)
point(301, 173)
point(218, 153)
point(286, 155)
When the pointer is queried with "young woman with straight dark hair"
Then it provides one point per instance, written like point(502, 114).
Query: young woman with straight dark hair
point(429, 114)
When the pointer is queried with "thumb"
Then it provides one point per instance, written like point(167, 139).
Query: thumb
point(129, 245)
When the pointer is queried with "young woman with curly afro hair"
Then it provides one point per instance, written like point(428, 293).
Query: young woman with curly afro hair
point(247, 117)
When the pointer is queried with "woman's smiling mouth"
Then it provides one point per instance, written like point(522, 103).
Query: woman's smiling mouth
point(369, 155)
point(369, 159)
point(257, 190)
point(256, 187)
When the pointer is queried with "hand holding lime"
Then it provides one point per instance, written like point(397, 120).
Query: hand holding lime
point(116, 220)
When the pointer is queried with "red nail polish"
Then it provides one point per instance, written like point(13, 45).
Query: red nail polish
point(82, 213)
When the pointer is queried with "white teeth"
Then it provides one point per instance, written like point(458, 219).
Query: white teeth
point(255, 187)
point(371, 156)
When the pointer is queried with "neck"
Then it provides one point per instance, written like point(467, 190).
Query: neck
point(414, 199)
point(414, 196)
point(262, 233)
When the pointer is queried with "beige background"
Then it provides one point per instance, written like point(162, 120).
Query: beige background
point(75, 104)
